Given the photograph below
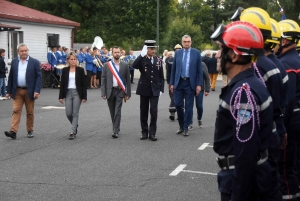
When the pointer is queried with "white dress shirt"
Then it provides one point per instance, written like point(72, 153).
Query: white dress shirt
point(115, 83)
point(22, 72)
point(72, 84)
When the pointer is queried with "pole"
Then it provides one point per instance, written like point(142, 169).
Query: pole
point(157, 27)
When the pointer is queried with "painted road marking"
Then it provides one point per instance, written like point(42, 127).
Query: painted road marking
point(204, 145)
point(53, 107)
point(181, 167)
point(178, 170)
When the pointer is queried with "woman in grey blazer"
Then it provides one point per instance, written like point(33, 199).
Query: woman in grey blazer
point(73, 90)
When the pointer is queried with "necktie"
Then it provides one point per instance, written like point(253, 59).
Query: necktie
point(183, 69)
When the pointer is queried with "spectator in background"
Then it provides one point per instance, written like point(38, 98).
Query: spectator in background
point(3, 71)
point(212, 70)
point(206, 57)
point(130, 59)
point(169, 63)
point(58, 55)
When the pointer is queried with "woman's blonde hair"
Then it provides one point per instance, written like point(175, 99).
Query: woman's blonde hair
point(68, 57)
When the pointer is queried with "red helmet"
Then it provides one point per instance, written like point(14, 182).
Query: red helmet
point(243, 37)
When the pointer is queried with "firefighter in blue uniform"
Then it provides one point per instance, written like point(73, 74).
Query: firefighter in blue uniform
point(244, 119)
point(150, 87)
point(289, 157)
point(169, 63)
point(271, 76)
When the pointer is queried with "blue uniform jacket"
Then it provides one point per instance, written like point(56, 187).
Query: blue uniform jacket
point(59, 57)
point(81, 57)
point(89, 62)
point(64, 57)
point(195, 70)
point(33, 77)
point(51, 59)
point(273, 80)
point(247, 175)
point(291, 62)
point(151, 81)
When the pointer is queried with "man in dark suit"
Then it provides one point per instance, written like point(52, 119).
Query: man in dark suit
point(24, 86)
point(186, 80)
point(115, 85)
point(150, 87)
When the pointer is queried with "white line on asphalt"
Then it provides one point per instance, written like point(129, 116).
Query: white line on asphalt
point(198, 172)
point(203, 146)
point(178, 170)
point(52, 107)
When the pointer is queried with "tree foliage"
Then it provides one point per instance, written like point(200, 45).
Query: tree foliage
point(128, 23)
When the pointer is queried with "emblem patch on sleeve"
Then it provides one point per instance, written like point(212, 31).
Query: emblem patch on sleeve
point(243, 116)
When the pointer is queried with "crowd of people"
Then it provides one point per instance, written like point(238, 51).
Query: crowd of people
point(257, 124)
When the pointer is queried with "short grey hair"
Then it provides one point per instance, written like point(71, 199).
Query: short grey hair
point(186, 36)
point(22, 45)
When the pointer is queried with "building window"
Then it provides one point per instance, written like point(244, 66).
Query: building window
point(14, 39)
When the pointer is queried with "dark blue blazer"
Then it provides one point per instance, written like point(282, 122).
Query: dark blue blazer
point(59, 57)
point(33, 77)
point(195, 70)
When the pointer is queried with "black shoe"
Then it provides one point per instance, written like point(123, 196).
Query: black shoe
point(30, 134)
point(152, 138)
point(144, 137)
point(185, 133)
point(72, 136)
point(115, 135)
point(11, 134)
point(180, 131)
point(213, 89)
point(172, 116)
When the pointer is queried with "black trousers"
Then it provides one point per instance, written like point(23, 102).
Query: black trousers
point(99, 73)
point(289, 160)
point(88, 77)
point(145, 101)
point(131, 75)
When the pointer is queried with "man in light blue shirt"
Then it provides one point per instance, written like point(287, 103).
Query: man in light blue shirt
point(22, 72)
point(24, 86)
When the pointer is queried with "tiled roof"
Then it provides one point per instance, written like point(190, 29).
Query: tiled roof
point(9, 10)
point(6, 27)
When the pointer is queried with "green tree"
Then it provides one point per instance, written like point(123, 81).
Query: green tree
point(180, 27)
point(116, 22)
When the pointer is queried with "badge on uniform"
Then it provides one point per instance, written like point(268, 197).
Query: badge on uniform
point(243, 116)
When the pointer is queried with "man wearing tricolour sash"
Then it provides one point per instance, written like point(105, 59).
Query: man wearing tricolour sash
point(115, 86)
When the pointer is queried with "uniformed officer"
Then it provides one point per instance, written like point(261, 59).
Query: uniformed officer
point(169, 63)
point(150, 87)
point(289, 166)
point(244, 118)
point(271, 76)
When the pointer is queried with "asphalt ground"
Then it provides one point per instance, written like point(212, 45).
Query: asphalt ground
point(95, 166)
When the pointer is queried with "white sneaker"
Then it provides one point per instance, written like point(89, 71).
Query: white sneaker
point(1, 98)
point(4, 98)
point(190, 127)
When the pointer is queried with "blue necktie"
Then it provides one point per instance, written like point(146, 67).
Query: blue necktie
point(183, 69)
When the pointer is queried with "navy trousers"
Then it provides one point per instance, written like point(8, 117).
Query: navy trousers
point(185, 92)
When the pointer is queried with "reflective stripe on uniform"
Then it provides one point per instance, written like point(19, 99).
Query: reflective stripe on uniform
point(288, 197)
point(296, 110)
point(243, 106)
point(285, 79)
point(270, 73)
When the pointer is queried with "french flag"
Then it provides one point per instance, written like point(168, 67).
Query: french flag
point(117, 75)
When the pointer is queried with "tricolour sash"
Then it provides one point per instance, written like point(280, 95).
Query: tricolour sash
point(117, 75)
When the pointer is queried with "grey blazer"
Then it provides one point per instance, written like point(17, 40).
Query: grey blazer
point(107, 80)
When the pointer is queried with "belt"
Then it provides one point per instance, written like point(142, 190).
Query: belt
point(22, 87)
point(184, 78)
point(115, 87)
point(227, 162)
